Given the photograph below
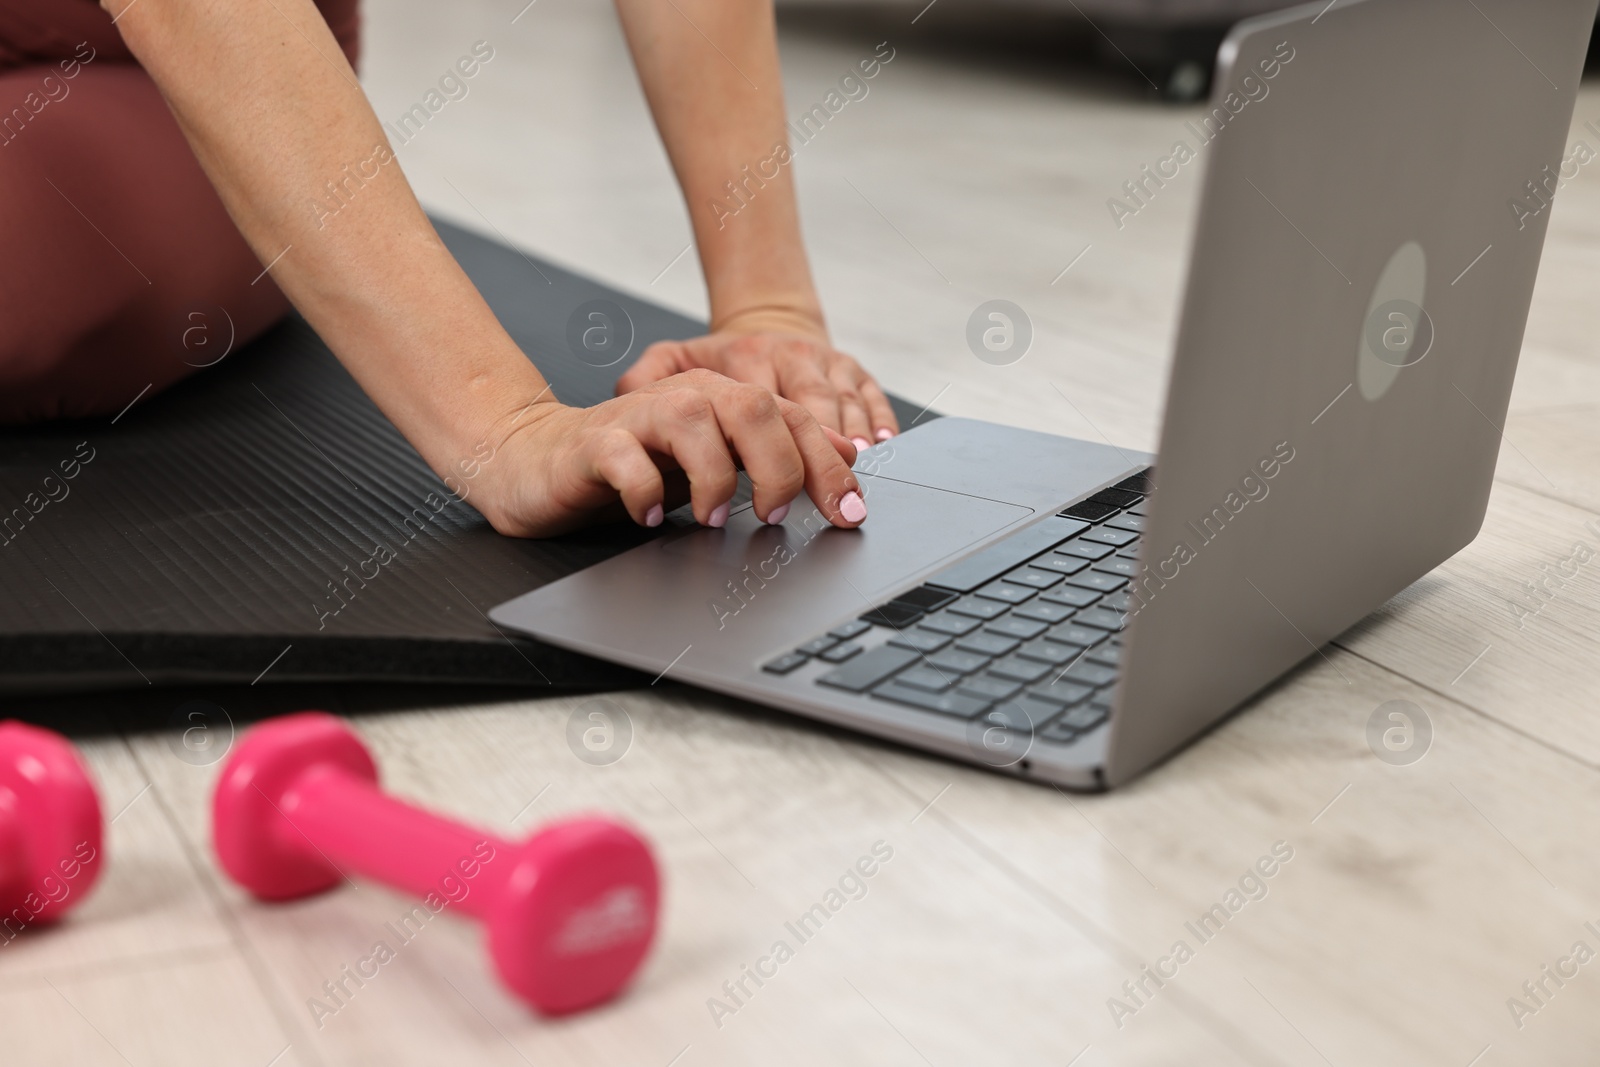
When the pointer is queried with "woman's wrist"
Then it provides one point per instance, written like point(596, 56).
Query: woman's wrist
point(468, 463)
point(802, 317)
point(499, 412)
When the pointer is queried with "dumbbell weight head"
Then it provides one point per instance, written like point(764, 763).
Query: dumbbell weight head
point(258, 846)
point(50, 828)
point(576, 915)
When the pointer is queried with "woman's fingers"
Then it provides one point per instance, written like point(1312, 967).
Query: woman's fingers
point(750, 417)
point(879, 411)
point(843, 445)
point(621, 462)
point(803, 382)
point(829, 481)
point(845, 375)
point(784, 450)
point(681, 421)
point(661, 360)
point(832, 386)
point(708, 427)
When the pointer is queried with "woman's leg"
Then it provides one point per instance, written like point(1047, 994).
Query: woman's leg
point(119, 268)
point(113, 237)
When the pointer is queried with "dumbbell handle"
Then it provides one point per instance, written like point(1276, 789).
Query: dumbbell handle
point(357, 827)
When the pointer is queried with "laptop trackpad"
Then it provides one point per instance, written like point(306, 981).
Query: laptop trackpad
point(910, 529)
point(749, 590)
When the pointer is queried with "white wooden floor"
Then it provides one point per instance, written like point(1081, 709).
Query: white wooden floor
point(1418, 898)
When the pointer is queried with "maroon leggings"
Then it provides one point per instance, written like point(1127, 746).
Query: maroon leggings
point(120, 270)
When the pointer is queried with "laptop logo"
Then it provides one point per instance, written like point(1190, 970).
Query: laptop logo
point(1397, 331)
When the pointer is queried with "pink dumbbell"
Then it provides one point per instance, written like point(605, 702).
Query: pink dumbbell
point(571, 911)
point(50, 843)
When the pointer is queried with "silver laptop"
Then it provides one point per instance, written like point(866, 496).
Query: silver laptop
point(1378, 179)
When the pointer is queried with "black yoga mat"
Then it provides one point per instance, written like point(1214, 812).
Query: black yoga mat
point(263, 520)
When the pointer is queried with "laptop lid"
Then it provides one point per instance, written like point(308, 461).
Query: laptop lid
point(1377, 187)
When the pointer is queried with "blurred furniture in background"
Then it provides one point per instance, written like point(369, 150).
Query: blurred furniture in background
point(1175, 41)
point(1172, 44)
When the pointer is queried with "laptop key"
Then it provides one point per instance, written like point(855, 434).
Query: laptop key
point(1141, 483)
point(1057, 734)
point(1117, 601)
point(841, 652)
point(1072, 596)
point(1099, 581)
point(1020, 716)
point(1086, 673)
point(1089, 511)
point(1082, 717)
point(925, 598)
point(1022, 629)
point(955, 661)
point(1070, 633)
point(1064, 733)
point(853, 628)
point(1061, 693)
point(893, 616)
point(784, 663)
point(1130, 523)
point(1085, 549)
point(1127, 568)
point(956, 704)
point(977, 608)
point(987, 644)
point(1033, 577)
point(1007, 592)
point(1117, 498)
point(1006, 554)
point(870, 668)
point(920, 640)
point(1056, 563)
point(954, 625)
point(1051, 652)
point(1108, 655)
point(817, 646)
point(989, 687)
point(925, 677)
point(1042, 611)
point(1101, 619)
point(1018, 669)
point(1107, 536)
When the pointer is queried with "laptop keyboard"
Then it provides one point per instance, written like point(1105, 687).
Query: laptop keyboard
point(1028, 629)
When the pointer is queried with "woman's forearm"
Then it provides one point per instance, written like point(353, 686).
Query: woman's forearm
point(283, 130)
point(710, 71)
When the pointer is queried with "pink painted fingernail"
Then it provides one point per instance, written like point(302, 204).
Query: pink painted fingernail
point(654, 516)
point(884, 433)
point(861, 443)
point(776, 516)
point(719, 516)
point(852, 507)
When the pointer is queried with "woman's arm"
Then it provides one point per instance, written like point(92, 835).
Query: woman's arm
point(710, 71)
point(275, 116)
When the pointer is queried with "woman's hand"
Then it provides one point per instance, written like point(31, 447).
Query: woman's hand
point(688, 435)
point(788, 355)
